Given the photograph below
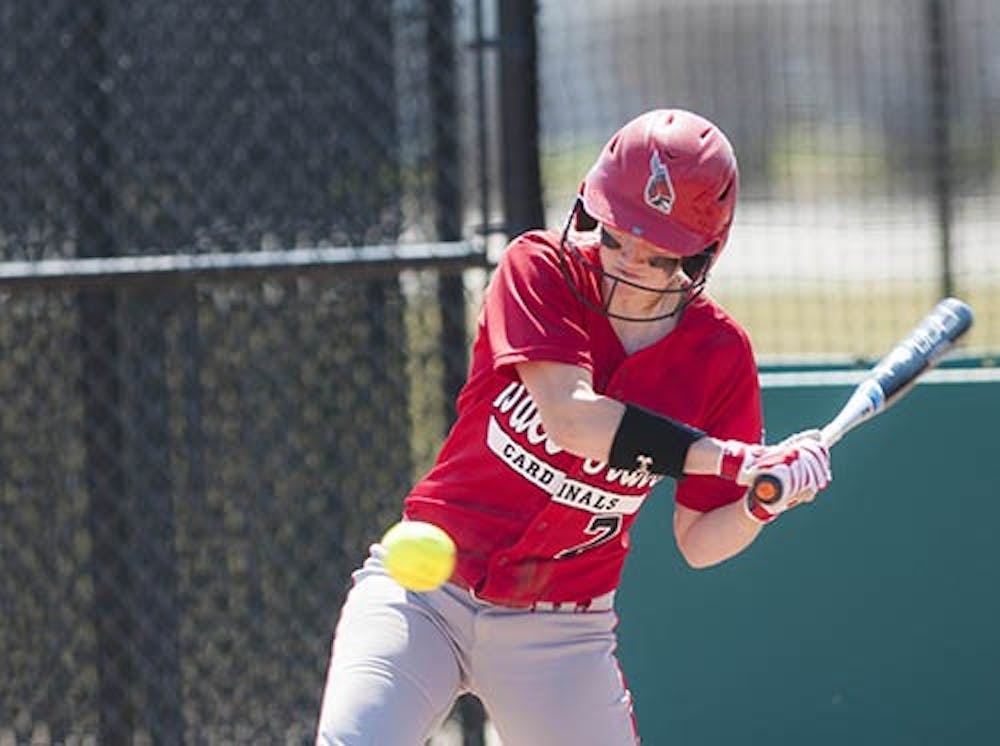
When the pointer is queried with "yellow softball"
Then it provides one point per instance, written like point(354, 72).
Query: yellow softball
point(418, 555)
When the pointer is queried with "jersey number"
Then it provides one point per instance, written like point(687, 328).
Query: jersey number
point(602, 527)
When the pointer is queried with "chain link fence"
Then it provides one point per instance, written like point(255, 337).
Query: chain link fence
point(240, 257)
point(213, 407)
point(867, 134)
point(183, 499)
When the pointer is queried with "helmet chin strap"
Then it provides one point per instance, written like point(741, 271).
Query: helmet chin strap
point(567, 248)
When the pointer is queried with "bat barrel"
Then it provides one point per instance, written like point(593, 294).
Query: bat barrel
point(922, 347)
point(960, 314)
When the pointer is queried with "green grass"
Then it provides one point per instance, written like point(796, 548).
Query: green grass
point(852, 324)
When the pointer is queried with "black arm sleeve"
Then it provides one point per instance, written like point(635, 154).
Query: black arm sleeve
point(650, 441)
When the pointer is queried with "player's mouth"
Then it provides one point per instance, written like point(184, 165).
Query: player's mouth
point(629, 274)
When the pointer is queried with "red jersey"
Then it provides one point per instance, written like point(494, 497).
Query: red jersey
point(531, 521)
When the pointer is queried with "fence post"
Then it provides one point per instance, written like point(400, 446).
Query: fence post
point(522, 187)
point(133, 562)
point(101, 390)
point(151, 550)
point(939, 98)
point(448, 227)
point(447, 190)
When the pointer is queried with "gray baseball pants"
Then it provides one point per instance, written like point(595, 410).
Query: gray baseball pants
point(400, 659)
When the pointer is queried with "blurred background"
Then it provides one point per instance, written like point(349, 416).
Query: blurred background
point(242, 245)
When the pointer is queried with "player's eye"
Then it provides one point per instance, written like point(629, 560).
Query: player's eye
point(668, 264)
point(608, 241)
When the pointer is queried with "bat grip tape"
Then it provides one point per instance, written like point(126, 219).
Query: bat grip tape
point(652, 442)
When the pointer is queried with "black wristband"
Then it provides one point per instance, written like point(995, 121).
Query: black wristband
point(651, 442)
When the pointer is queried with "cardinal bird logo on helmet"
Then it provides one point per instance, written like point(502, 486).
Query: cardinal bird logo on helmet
point(659, 190)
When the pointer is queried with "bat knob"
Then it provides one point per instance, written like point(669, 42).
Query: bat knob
point(766, 489)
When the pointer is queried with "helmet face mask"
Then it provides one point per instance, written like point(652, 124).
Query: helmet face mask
point(695, 268)
point(670, 178)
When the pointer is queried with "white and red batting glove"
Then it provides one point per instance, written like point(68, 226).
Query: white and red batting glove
point(800, 464)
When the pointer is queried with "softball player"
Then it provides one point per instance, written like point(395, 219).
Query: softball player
point(599, 368)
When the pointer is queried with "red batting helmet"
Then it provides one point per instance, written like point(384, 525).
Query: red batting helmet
point(670, 177)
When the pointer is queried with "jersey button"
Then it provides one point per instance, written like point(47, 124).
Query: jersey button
point(542, 526)
point(503, 561)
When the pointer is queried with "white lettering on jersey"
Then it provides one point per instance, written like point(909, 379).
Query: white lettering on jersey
point(633, 477)
point(563, 490)
point(535, 471)
point(586, 497)
point(625, 477)
point(509, 396)
point(525, 417)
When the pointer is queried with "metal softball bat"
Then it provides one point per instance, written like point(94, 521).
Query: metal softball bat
point(890, 379)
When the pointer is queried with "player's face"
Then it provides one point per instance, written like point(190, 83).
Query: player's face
point(637, 261)
point(639, 280)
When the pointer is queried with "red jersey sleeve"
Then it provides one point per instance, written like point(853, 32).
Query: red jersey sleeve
point(529, 312)
point(734, 412)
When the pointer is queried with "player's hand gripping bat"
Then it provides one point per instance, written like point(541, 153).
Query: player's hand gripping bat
point(890, 380)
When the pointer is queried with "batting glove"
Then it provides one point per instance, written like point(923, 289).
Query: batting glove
point(800, 464)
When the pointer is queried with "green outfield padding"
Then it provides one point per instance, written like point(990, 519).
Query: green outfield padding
point(869, 617)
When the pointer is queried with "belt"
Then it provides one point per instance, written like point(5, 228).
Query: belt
point(604, 602)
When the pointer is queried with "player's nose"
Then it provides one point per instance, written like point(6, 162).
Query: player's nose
point(631, 252)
